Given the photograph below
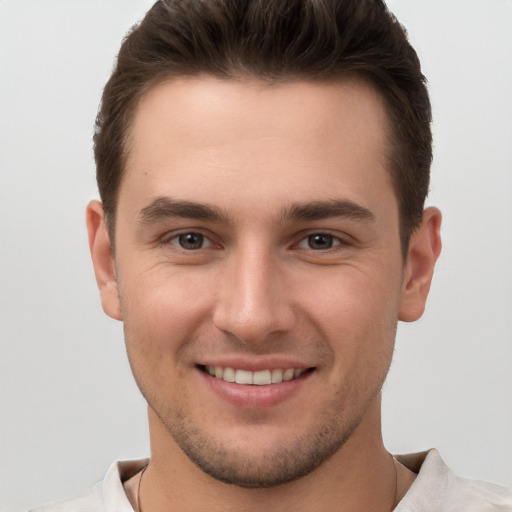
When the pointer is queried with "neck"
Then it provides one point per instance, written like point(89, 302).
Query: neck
point(360, 476)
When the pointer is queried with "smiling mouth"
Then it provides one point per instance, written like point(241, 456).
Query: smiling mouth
point(259, 378)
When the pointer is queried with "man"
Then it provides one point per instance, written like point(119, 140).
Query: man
point(263, 168)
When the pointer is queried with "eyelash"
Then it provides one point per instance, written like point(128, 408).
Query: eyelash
point(177, 236)
point(333, 240)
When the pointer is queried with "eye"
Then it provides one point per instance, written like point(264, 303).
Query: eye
point(319, 242)
point(190, 241)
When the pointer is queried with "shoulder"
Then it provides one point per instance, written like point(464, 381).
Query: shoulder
point(475, 495)
point(439, 489)
point(106, 496)
point(89, 501)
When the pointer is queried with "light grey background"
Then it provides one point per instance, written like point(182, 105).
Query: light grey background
point(68, 403)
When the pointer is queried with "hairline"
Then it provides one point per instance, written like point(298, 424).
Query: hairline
point(392, 146)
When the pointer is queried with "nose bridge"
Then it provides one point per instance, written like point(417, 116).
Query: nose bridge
point(253, 302)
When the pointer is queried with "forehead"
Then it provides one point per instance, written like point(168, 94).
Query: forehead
point(202, 137)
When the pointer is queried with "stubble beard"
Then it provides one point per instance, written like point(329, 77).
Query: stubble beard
point(288, 461)
point(283, 464)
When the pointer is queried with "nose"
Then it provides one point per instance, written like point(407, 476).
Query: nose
point(253, 300)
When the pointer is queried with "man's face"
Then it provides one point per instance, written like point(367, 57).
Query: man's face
point(257, 238)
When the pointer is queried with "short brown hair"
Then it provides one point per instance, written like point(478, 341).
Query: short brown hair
point(274, 40)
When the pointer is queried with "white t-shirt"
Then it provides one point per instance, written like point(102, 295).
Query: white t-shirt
point(435, 489)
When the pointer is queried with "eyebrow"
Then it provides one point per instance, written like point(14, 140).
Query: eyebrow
point(317, 210)
point(165, 208)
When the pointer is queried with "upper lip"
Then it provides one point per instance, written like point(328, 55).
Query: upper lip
point(255, 365)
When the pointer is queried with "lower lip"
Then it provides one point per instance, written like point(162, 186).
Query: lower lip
point(253, 396)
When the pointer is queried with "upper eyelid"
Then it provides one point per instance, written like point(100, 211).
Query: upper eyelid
point(339, 240)
point(169, 235)
point(341, 236)
point(173, 235)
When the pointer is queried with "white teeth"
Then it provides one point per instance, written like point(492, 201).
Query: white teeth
point(262, 378)
point(243, 377)
point(288, 374)
point(259, 378)
point(277, 376)
point(229, 375)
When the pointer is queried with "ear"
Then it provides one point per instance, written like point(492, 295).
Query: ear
point(424, 249)
point(103, 260)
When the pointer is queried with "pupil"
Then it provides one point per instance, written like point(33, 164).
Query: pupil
point(191, 241)
point(320, 241)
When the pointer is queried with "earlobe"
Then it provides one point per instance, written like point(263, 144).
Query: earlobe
point(103, 259)
point(424, 249)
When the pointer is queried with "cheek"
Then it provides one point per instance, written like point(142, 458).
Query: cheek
point(353, 297)
point(162, 311)
point(357, 314)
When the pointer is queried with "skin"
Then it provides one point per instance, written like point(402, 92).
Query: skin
point(263, 166)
